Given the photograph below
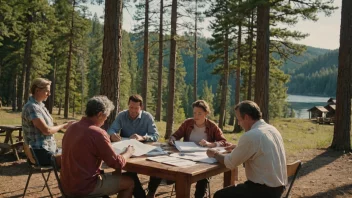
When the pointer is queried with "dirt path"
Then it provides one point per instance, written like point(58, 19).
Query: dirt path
point(323, 174)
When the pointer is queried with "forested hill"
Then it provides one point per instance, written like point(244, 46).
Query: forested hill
point(312, 73)
point(298, 61)
point(316, 77)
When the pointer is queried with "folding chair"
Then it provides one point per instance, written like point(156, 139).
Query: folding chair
point(35, 167)
point(292, 172)
point(56, 163)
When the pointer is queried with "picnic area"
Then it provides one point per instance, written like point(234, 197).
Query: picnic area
point(324, 173)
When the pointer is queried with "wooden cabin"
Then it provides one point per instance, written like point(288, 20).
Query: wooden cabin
point(332, 101)
point(331, 108)
point(317, 111)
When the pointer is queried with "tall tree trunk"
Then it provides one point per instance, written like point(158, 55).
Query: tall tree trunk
point(261, 96)
point(237, 127)
point(250, 38)
point(53, 88)
point(226, 79)
point(60, 105)
point(28, 70)
point(172, 71)
point(110, 75)
point(83, 77)
point(232, 111)
point(50, 102)
point(160, 68)
point(69, 64)
point(145, 56)
point(23, 88)
point(195, 70)
point(14, 91)
point(342, 127)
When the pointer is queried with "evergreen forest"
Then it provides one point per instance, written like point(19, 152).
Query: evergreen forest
point(62, 41)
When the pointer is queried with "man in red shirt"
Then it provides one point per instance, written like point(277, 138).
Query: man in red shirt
point(84, 146)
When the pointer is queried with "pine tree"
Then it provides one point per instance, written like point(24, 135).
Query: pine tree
point(342, 127)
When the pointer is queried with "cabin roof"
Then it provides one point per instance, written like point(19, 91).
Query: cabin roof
point(319, 108)
point(332, 106)
point(332, 100)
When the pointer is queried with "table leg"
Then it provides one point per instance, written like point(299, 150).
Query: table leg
point(183, 186)
point(230, 177)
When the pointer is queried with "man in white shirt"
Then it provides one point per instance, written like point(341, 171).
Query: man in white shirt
point(262, 151)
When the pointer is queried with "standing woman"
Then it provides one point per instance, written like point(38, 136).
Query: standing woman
point(200, 130)
point(37, 123)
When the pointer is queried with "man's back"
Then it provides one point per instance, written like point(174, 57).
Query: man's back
point(84, 146)
point(267, 165)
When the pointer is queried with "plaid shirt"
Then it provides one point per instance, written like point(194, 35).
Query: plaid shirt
point(32, 135)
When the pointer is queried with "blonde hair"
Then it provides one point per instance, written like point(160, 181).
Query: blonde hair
point(40, 83)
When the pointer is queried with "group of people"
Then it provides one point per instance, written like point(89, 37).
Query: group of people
point(85, 145)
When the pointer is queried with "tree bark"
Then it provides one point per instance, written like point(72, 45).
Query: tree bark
point(225, 82)
point(342, 127)
point(261, 96)
point(250, 37)
point(69, 64)
point(145, 56)
point(195, 70)
point(110, 75)
point(14, 91)
point(237, 127)
point(172, 71)
point(160, 68)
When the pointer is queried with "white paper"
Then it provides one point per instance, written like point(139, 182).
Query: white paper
point(174, 161)
point(157, 151)
point(196, 156)
point(189, 147)
point(140, 148)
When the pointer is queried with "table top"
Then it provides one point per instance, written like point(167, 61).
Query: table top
point(143, 166)
point(10, 127)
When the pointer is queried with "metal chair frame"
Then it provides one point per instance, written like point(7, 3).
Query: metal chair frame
point(34, 167)
point(56, 168)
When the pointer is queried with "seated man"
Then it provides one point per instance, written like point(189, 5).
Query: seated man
point(84, 146)
point(134, 123)
point(262, 151)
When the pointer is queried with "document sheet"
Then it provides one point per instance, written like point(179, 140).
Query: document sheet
point(174, 161)
point(140, 148)
point(189, 147)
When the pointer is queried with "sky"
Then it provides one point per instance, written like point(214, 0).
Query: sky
point(325, 33)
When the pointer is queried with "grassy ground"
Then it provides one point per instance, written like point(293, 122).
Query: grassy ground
point(298, 134)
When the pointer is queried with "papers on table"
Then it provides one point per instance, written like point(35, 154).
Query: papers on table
point(196, 156)
point(157, 151)
point(174, 161)
point(140, 148)
point(189, 147)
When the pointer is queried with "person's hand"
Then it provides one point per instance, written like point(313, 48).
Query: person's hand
point(68, 124)
point(205, 143)
point(130, 150)
point(172, 141)
point(230, 148)
point(115, 137)
point(211, 152)
point(137, 137)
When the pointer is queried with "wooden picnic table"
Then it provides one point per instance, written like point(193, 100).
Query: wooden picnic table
point(8, 142)
point(183, 177)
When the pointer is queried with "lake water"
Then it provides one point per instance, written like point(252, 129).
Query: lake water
point(302, 103)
